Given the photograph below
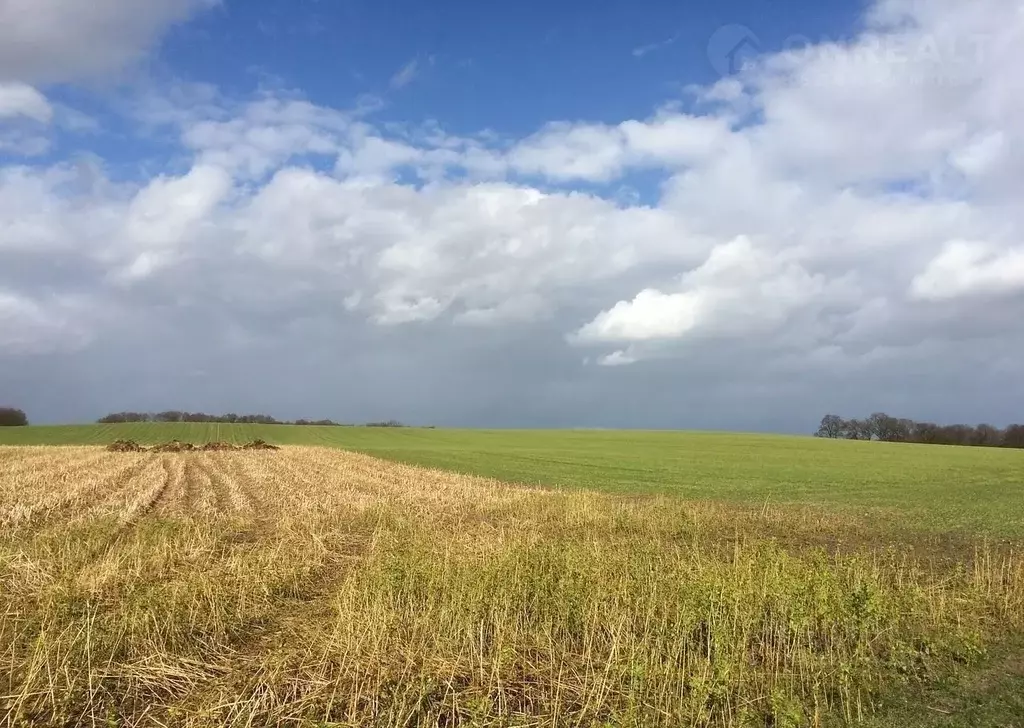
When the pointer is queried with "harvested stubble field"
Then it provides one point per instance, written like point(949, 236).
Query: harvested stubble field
point(971, 490)
point(320, 587)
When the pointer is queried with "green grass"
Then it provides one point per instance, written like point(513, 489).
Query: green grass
point(976, 490)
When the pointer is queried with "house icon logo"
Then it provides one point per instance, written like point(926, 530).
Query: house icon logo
point(731, 48)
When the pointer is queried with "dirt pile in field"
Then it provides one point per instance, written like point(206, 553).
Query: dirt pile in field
point(174, 446)
point(179, 446)
point(125, 446)
point(259, 445)
point(217, 447)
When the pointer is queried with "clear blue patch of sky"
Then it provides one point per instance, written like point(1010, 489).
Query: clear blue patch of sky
point(509, 67)
point(506, 67)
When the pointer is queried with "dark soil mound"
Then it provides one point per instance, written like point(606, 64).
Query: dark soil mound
point(179, 446)
point(125, 446)
point(175, 446)
point(259, 445)
point(217, 446)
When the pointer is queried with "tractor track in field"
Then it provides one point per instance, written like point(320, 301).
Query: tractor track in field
point(204, 497)
point(147, 506)
point(222, 500)
point(232, 489)
point(242, 485)
point(239, 674)
point(172, 495)
point(121, 482)
point(190, 488)
point(140, 508)
point(86, 499)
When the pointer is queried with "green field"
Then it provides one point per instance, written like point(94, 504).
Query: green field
point(976, 490)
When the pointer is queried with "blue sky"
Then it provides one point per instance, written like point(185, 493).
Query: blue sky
point(472, 66)
point(506, 66)
point(530, 214)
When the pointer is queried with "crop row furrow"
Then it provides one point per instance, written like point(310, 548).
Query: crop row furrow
point(70, 494)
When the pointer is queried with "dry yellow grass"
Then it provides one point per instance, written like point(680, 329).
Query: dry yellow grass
point(318, 587)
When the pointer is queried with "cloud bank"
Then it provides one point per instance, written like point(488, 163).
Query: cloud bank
point(836, 226)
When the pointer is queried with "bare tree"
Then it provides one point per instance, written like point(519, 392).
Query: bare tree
point(904, 430)
point(986, 436)
point(857, 429)
point(957, 434)
point(926, 432)
point(831, 427)
point(880, 426)
point(1014, 436)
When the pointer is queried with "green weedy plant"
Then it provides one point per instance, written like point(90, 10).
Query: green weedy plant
point(585, 632)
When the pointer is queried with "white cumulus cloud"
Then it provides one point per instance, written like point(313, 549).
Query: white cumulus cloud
point(737, 289)
point(968, 268)
point(21, 100)
point(843, 210)
point(60, 40)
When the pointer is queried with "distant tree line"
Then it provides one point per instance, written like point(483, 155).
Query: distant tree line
point(176, 416)
point(886, 428)
point(10, 417)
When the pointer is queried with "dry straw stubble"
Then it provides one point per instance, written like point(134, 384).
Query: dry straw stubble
point(317, 586)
